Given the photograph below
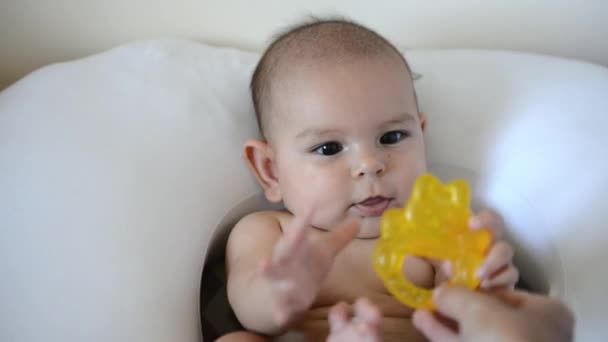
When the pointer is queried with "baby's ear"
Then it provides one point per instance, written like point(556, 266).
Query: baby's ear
point(422, 118)
point(260, 158)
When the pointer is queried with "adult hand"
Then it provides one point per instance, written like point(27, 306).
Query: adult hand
point(504, 315)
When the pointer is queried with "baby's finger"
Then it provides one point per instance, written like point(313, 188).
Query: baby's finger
point(277, 276)
point(500, 255)
point(284, 250)
point(299, 227)
point(294, 238)
point(488, 219)
point(366, 311)
point(506, 278)
point(280, 310)
point(343, 235)
point(275, 272)
point(338, 316)
point(268, 269)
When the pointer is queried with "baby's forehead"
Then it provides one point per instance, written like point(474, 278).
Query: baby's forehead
point(294, 77)
point(310, 85)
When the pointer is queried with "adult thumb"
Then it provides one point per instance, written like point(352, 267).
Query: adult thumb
point(459, 303)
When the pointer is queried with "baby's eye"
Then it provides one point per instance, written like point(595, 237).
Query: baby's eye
point(393, 137)
point(329, 149)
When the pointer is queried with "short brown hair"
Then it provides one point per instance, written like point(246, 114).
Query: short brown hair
point(314, 39)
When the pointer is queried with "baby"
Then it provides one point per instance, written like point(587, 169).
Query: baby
point(343, 142)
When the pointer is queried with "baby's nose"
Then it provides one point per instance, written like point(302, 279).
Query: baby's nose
point(369, 165)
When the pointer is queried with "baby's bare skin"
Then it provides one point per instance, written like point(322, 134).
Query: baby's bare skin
point(340, 266)
point(351, 277)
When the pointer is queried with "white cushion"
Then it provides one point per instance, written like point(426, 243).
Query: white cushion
point(115, 171)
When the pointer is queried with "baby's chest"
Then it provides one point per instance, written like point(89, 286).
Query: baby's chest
point(352, 276)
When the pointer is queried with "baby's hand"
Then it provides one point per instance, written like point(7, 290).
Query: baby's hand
point(299, 265)
point(362, 326)
point(498, 270)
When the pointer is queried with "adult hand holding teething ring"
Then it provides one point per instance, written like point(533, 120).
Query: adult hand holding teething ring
point(437, 224)
point(503, 316)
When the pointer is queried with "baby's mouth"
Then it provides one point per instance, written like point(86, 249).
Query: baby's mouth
point(372, 206)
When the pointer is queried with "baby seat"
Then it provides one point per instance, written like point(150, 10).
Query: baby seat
point(121, 173)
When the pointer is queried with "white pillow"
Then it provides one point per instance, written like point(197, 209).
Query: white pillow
point(115, 171)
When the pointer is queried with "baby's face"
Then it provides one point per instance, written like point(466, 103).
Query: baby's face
point(347, 141)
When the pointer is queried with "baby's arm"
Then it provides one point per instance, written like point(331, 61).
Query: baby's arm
point(251, 241)
point(275, 273)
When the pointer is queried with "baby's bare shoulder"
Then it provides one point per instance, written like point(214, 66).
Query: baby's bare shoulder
point(268, 221)
point(254, 236)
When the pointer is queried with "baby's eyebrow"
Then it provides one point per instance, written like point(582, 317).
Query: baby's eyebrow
point(400, 118)
point(315, 132)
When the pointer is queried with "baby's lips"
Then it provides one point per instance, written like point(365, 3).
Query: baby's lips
point(373, 207)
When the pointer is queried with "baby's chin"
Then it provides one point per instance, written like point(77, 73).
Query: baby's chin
point(370, 228)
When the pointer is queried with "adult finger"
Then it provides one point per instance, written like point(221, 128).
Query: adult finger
point(432, 328)
point(488, 219)
point(545, 306)
point(505, 278)
point(552, 311)
point(499, 256)
point(460, 304)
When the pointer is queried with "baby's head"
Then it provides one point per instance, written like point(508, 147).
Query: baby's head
point(343, 136)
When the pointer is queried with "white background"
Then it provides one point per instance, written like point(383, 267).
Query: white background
point(35, 33)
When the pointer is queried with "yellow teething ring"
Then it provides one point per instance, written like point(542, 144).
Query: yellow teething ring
point(433, 224)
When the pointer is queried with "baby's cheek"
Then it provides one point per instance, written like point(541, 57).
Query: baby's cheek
point(404, 186)
point(327, 187)
point(314, 193)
